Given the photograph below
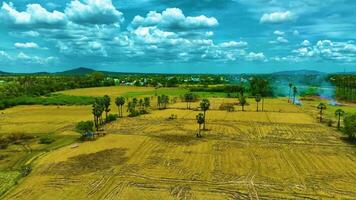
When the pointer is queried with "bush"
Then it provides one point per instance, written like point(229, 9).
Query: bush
point(46, 140)
point(26, 170)
point(350, 126)
point(134, 113)
point(111, 118)
point(84, 126)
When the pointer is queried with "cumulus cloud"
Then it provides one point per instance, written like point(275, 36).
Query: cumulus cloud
point(277, 32)
point(233, 44)
point(34, 15)
point(36, 59)
point(305, 43)
point(26, 45)
point(277, 17)
point(328, 50)
point(252, 56)
point(173, 18)
point(279, 39)
point(93, 12)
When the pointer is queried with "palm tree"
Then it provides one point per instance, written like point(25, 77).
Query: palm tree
point(243, 102)
point(339, 113)
point(290, 91)
point(204, 106)
point(295, 91)
point(147, 102)
point(200, 120)
point(258, 99)
point(321, 107)
point(97, 111)
point(120, 101)
point(106, 102)
point(159, 101)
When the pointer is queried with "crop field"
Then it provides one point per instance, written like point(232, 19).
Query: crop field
point(280, 153)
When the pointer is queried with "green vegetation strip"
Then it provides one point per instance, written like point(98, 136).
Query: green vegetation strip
point(54, 99)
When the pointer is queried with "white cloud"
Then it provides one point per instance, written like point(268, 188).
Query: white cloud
point(93, 12)
point(31, 33)
point(296, 33)
point(36, 59)
point(26, 45)
point(305, 43)
point(277, 17)
point(3, 54)
point(35, 14)
point(277, 32)
point(252, 56)
point(350, 48)
point(282, 40)
point(233, 44)
point(173, 18)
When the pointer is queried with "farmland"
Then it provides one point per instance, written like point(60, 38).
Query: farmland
point(280, 153)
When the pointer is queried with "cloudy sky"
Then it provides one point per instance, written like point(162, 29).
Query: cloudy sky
point(172, 36)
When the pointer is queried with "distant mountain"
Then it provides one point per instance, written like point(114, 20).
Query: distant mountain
point(298, 73)
point(77, 71)
point(4, 73)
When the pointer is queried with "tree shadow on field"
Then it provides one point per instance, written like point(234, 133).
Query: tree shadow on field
point(350, 141)
point(180, 139)
point(88, 163)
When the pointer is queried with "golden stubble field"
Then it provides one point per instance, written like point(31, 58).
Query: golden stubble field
point(283, 153)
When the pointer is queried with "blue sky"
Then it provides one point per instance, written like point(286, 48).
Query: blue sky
point(197, 36)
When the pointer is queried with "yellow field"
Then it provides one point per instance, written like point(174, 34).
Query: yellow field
point(282, 153)
point(42, 119)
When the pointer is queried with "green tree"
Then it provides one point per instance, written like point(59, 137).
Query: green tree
point(120, 102)
point(242, 100)
point(106, 102)
point(189, 98)
point(97, 111)
point(84, 127)
point(257, 99)
point(295, 91)
point(339, 113)
point(147, 102)
point(290, 91)
point(204, 106)
point(321, 107)
point(350, 126)
point(200, 120)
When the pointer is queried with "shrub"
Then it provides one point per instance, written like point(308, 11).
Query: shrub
point(26, 170)
point(46, 140)
point(111, 118)
point(350, 126)
point(134, 113)
point(84, 126)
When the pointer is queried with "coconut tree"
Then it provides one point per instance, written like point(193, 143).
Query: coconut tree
point(106, 102)
point(204, 106)
point(321, 107)
point(257, 99)
point(339, 113)
point(200, 120)
point(120, 101)
point(290, 91)
point(295, 91)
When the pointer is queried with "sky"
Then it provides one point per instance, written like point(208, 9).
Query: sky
point(171, 36)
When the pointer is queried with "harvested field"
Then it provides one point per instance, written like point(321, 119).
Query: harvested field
point(242, 155)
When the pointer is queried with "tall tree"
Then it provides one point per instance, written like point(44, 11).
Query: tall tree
point(290, 91)
point(200, 120)
point(242, 100)
point(120, 102)
point(339, 113)
point(97, 111)
point(147, 102)
point(204, 106)
point(295, 91)
point(321, 108)
point(106, 102)
point(257, 99)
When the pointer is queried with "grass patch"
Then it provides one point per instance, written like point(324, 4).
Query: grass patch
point(54, 99)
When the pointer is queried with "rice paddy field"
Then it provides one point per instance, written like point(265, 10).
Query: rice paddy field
point(281, 153)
